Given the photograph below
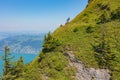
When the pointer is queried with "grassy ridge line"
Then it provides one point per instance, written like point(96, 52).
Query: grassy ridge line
point(81, 41)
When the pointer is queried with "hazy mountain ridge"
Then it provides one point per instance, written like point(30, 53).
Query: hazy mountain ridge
point(24, 43)
point(4, 35)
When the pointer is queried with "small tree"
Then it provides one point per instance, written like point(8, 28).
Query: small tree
point(50, 43)
point(115, 14)
point(67, 21)
point(17, 69)
point(7, 58)
point(104, 55)
point(105, 17)
point(89, 29)
point(7, 63)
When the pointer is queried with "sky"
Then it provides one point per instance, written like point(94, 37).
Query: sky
point(37, 15)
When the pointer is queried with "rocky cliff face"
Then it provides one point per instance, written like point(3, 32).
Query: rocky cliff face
point(84, 73)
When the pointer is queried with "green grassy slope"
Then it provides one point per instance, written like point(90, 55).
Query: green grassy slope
point(78, 36)
point(75, 35)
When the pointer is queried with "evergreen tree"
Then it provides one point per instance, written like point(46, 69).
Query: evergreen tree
point(104, 55)
point(7, 58)
point(17, 69)
point(67, 21)
point(50, 43)
point(7, 63)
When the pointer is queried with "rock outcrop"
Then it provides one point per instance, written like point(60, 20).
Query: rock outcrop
point(84, 73)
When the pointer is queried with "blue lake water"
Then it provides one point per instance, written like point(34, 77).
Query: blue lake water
point(27, 58)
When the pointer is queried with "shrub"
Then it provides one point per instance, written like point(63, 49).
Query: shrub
point(59, 66)
point(105, 17)
point(41, 56)
point(103, 6)
point(85, 14)
point(76, 29)
point(89, 29)
point(61, 25)
point(104, 56)
point(115, 14)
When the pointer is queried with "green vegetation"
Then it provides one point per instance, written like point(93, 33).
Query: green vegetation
point(75, 30)
point(12, 70)
point(7, 63)
point(55, 66)
point(115, 14)
point(50, 43)
point(84, 32)
point(83, 37)
point(17, 69)
point(103, 55)
point(89, 29)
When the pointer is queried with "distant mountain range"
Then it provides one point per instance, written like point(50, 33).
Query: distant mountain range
point(22, 43)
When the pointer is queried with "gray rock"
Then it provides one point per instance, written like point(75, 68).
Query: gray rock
point(87, 73)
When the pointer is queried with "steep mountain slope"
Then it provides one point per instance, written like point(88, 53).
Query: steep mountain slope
point(75, 58)
point(86, 30)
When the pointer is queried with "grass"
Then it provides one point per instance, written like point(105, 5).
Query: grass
point(75, 35)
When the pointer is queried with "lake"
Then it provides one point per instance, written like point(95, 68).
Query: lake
point(29, 43)
point(27, 58)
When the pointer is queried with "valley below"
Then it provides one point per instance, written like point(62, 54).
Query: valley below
point(22, 43)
